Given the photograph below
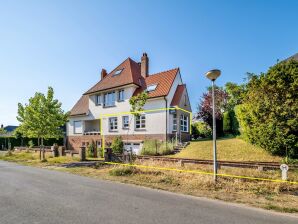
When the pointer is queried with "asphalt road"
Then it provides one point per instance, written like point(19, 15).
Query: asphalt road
point(32, 195)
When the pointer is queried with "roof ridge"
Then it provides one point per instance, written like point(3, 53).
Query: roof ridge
point(177, 68)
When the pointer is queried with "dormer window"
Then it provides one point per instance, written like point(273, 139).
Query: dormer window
point(118, 72)
point(151, 88)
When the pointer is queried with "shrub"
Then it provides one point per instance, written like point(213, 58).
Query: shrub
point(91, 150)
point(155, 147)
point(202, 130)
point(117, 145)
point(30, 144)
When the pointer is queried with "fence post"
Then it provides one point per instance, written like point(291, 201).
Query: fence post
point(82, 153)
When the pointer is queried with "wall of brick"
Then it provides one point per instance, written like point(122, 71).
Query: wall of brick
point(75, 142)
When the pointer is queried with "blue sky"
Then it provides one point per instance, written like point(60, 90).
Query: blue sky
point(64, 44)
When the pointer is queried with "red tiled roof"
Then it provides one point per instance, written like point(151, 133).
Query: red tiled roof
point(130, 75)
point(164, 81)
point(178, 94)
point(81, 107)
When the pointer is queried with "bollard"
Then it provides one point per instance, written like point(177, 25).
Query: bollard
point(284, 171)
point(82, 153)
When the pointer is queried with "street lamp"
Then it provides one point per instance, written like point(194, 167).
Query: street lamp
point(213, 75)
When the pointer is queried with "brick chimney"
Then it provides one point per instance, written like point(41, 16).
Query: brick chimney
point(103, 73)
point(145, 65)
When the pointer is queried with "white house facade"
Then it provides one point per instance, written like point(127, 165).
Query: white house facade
point(109, 100)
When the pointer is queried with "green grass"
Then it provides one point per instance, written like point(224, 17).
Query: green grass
point(232, 149)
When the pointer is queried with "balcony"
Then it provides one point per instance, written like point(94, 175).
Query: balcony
point(92, 127)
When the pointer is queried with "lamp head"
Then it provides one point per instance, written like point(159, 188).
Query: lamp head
point(213, 74)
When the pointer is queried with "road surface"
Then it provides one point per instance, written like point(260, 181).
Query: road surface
point(33, 195)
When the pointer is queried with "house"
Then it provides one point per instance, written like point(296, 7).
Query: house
point(9, 130)
point(109, 99)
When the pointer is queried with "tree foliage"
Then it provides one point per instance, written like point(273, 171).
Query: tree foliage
point(137, 102)
point(205, 107)
point(201, 130)
point(42, 117)
point(117, 145)
point(269, 114)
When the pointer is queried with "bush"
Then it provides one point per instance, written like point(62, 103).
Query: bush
point(155, 147)
point(117, 145)
point(91, 150)
point(30, 144)
point(201, 129)
point(230, 123)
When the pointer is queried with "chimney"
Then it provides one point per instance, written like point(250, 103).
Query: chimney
point(103, 73)
point(144, 65)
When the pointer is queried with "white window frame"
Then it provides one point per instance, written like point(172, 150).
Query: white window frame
point(125, 125)
point(113, 124)
point(140, 121)
point(98, 99)
point(109, 99)
point(184, 123)
point(75, 128)
point(175, 122)
point(121, 95)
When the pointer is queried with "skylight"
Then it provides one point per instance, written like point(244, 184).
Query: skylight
point(118, 72)
point(151, 88)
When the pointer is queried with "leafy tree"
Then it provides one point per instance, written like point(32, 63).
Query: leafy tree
point(205, 107)
point(269, 114)
point(137, 102)
point(236, 93)
point(42, 117)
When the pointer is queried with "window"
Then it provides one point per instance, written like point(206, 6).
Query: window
point(98, 99)
point(113, 124)
point(109, 99)
point(125, 122)
point(174, 122)
point(121, 95)
point(151, 88)
point(118, 72)
point(140, 121)
point(184, 123)
point(78, 128)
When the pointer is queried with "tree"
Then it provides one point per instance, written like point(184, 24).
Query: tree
point(269, 114)
point(138, 102)
point(236, 93)
point(205, 107)
point(42, 117)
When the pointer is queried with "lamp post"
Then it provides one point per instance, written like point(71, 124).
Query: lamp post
point(213, 75)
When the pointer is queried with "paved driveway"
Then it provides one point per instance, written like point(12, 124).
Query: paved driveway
point(32, 195)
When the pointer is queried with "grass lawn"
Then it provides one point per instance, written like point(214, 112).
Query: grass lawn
point(231, 149)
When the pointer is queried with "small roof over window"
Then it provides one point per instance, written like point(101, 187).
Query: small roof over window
point(151, 88)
